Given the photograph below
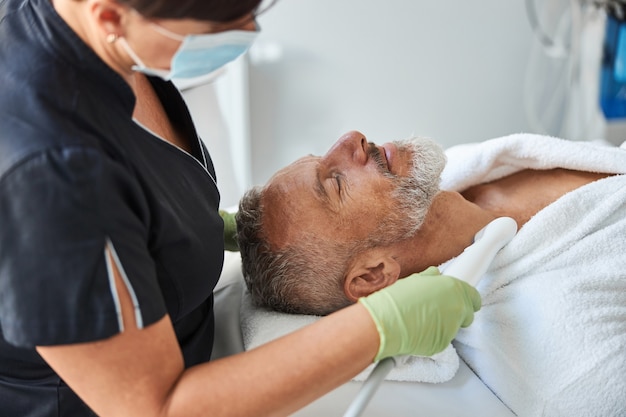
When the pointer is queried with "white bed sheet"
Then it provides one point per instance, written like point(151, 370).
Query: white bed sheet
point(464, 395)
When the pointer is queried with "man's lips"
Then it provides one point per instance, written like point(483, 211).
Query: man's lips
point(389, 150)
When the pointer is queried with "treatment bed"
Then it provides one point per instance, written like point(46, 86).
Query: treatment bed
point(463, 395)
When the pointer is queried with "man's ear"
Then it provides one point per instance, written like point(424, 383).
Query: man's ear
point(370, 274)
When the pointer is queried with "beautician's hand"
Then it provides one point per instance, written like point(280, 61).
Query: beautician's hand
point(230, 231)
point(421, 314)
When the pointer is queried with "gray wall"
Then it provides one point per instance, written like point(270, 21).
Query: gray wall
point(452, 70)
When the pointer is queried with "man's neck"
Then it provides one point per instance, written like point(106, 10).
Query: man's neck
point(454, 219)
point(448, 229)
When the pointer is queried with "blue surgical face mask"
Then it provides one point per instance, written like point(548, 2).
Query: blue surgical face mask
point(197, 55)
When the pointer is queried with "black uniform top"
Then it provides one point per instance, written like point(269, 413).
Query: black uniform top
point(77, 174)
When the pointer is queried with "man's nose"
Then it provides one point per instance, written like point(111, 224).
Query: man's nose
point(351, 146)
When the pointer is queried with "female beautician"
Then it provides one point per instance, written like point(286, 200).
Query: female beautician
point(110, 237)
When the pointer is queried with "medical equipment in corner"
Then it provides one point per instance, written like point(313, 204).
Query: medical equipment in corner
point(574, 86)
point(469, 266)
point(613, 68)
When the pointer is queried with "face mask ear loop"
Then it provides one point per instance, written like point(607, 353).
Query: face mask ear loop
point(138, 62)
point(167, 33)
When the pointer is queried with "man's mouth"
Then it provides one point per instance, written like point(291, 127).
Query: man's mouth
point(389, 152)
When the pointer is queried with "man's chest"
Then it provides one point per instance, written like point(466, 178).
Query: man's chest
point(525, 193)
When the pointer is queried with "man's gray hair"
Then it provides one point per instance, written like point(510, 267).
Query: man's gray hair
point(305, 277)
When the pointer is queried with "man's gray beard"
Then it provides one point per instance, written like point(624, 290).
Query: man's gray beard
point(413, 194)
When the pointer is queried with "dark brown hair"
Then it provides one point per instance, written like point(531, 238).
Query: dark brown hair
point(211, 10)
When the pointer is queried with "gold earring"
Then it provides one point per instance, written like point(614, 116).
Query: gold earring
point(112, 37)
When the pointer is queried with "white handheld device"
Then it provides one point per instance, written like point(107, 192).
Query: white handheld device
point(469, 266)
point(474, 261)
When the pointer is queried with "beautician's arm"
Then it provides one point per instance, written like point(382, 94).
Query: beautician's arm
point(141, 373)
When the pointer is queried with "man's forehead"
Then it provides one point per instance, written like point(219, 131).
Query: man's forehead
point(300, 167)
point(285, 195)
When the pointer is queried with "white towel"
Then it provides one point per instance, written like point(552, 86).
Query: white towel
point(481, 162)
point(550, 339)
point(260, 326)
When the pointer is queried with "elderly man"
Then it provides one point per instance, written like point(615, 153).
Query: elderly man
point(325, 231)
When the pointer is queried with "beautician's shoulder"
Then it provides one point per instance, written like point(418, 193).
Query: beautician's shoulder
point(43, 127)
point(47, 141)
point(56, 93)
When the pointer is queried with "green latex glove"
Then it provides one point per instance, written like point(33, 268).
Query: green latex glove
point(421, 314)
point(230, 231)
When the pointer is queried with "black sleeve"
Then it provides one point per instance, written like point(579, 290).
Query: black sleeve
point(58, 212)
